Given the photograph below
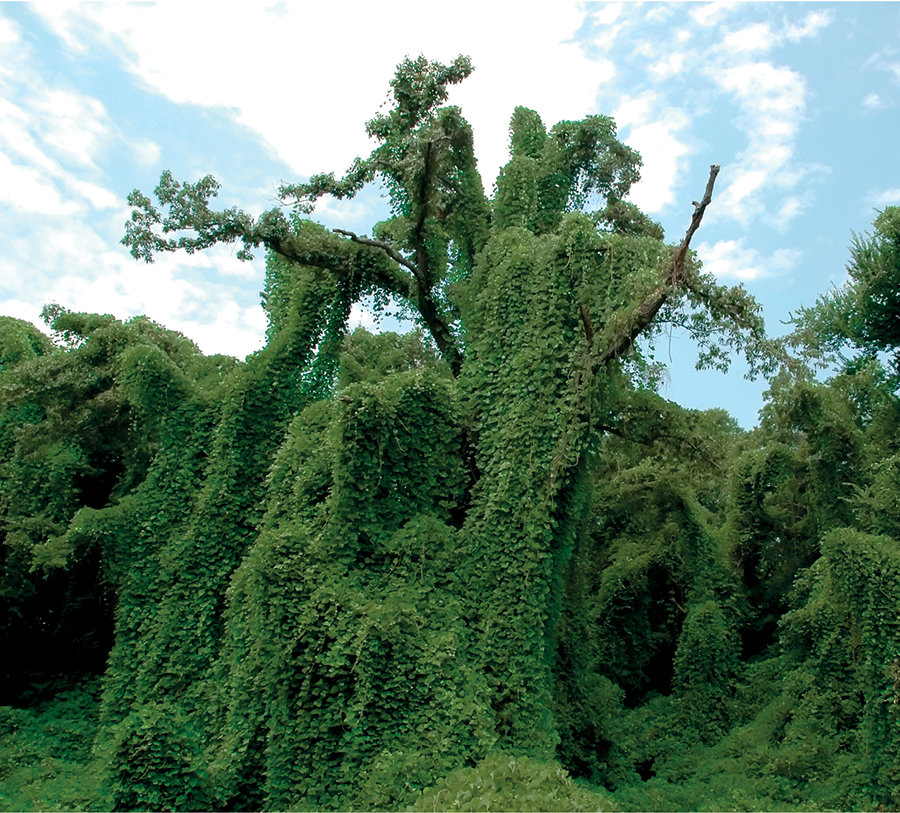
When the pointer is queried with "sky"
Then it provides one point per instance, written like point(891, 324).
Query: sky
point(799, 103)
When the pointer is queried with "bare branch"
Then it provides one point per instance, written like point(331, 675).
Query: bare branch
point(676, 275)
point(646, 310)
point(395, 255)
point(420, 297)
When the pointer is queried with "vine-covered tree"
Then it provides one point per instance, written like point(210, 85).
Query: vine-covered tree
point(864, 313)
point(532, 307)
point(363, 571)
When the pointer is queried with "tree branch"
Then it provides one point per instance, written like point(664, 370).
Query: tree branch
point(292, 248)
point(421, 253)
point(676, 275)
point(424, 303)
point(646, 310)
point(586, 321)
point(683, 439)
point(395, 255)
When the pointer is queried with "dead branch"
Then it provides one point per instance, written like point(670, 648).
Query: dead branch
point(647, 310)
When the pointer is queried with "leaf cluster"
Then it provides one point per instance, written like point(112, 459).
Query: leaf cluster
point(864, 313)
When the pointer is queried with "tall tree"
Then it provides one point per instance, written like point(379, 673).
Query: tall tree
point(534, 306)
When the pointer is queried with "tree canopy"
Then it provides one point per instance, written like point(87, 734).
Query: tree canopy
point(864, 314)
point(480, 565)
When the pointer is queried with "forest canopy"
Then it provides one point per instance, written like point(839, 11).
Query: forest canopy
point(480, 565)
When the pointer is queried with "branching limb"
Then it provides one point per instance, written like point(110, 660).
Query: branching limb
point(683, 439)
point(422, 300)
point(676, 275)
point(645, 312)
point(304, 196)
point(395, 255)
point(188, 212)
point(586, 322)
point(418, 232)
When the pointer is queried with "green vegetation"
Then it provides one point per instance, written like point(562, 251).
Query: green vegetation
point(480, 566)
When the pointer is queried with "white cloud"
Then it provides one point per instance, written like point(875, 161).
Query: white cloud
point(98, 197)
point(310, 107)
point(658, 12)
point(314, 120)
point(15, 137)
point(889, 197)
point(653, 133)
point(772, 103)
point(884, 60)
point(340, 211)
point(74, 125)
point(732, 260)
point(279, 9)
point(635, 110)
point(873, 101)
point(607, 14)
point(771, 99)
point(227, 263)
point(361, 317)
point(812, 24)
point(8, 33)
point(27, 190)
point(761, 37)
point(710, 13)
point(756, 37)
point(235, 332)
point(668, 66)
point(146, 152)
point(767, 88)
point(661, 151)
point(23, 310)
point(64, 260)
point(255, 317)
point(49, 126)
point(792, 206)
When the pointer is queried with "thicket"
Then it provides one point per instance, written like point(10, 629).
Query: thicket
point(480, 566)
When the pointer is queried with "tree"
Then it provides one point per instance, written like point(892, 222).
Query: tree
point(865, 312)
point(343, 595)
point(534, 310)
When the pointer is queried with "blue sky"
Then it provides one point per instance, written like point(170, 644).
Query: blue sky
point(799, 103)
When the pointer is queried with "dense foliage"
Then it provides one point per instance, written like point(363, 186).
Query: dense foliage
point(482, 565)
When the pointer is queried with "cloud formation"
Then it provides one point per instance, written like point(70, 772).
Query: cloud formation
point(652, 130)
point(687, 84)
point(772, 101)
point(887, 197)
point(671, 75)
point(49, 138)
point(311, 115)
point(729, 260)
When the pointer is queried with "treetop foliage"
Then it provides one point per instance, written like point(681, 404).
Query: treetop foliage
point(863, 314)
point(442, 219)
